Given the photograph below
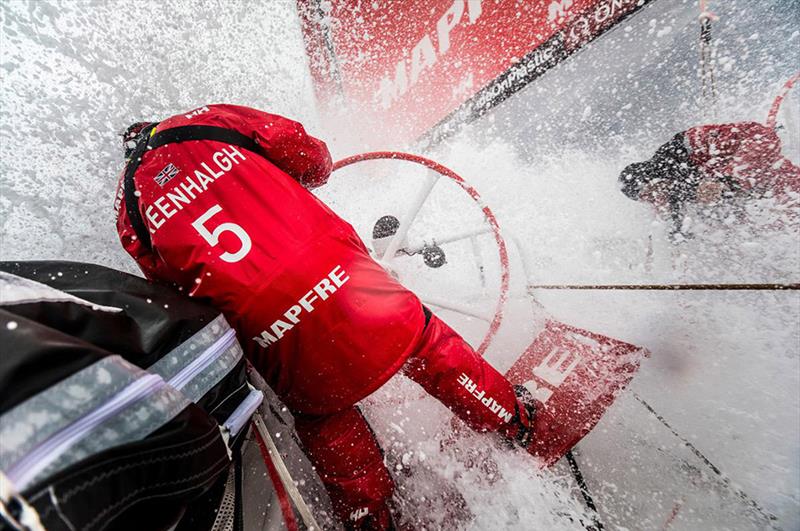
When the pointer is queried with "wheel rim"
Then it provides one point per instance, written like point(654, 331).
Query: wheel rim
point(489, 216)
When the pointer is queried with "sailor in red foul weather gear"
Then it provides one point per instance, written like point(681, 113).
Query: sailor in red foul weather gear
point(217, 201)
point(713, 163)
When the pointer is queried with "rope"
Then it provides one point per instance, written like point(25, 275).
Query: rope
point(670, 287)
point(771, 518)
point(584, 488)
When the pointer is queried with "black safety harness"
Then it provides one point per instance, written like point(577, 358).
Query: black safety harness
point(149, 140)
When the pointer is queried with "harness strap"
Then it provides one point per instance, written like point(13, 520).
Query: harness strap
point(129, 187)
point(148, 140)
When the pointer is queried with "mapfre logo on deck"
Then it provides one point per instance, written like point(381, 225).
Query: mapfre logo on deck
point(556, 367)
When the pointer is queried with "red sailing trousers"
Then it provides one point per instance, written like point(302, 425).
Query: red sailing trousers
point(343, 448)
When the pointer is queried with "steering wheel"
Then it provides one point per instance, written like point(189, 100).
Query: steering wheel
point(389, 235)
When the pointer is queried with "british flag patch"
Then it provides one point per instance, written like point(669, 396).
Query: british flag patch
point(166, 175)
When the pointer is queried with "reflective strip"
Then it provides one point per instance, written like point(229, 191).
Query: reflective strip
point(53, 448)
point(37, 418)
point(113, 402)
point(34, 420)
point(182, 355)
point(134, 423)
point(130, 415)
point(202, 361)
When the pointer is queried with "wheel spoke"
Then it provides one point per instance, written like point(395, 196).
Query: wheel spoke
point(432, 178)
point(458, 308)
point(450, 238)
point(476, 251)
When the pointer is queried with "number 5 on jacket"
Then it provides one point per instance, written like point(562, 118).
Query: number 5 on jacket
point(213, 237)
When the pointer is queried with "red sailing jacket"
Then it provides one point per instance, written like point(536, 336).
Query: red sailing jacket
point(323, 322)
point(748, 152)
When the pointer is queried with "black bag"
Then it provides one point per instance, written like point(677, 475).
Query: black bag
point(122, 402)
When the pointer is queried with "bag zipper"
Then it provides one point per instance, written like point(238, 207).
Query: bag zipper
point(44, 454)
point(203, 361)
